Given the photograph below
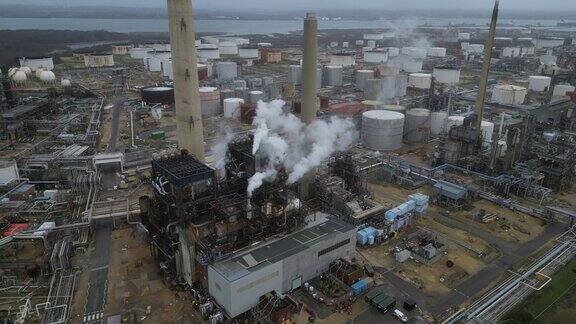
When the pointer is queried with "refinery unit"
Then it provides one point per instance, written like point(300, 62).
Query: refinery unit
point(230, 180)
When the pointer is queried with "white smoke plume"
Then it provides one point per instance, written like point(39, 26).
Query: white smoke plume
point(283, 141)
point(219, 150)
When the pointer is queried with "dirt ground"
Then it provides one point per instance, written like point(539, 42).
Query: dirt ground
point(511, 226)
point(134, 284)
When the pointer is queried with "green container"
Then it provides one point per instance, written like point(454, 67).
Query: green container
point(158, 135)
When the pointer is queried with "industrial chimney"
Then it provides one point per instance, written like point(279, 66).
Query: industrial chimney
point(309, 90)
point(187, 97)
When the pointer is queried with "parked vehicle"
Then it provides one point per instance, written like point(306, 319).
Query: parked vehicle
point(398, 314)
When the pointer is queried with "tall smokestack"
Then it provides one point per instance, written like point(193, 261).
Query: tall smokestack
point(309, 74)
point(309, 90)
point(481, 97)
point(187, 97)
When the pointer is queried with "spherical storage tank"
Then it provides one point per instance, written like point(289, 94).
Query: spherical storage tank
point(362, 77)
point(209, 101)
point(509, 94)
point(65, 83)
point(226, 70)
point(382, 130)
point(295, 74)
point(438, 121)
point(417, 125)
point(232, 107)
point(47, 77)
point(446, 75)
point(420, 80)
point(26, 70)
point(157, 95)
point(333, 75)
point(539, 83)
point(19, 76)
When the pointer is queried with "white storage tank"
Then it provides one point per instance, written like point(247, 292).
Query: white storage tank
point(207, 53)
point(420, 80)
point(255, 96)
point(139, 52)
point(372, 89)
point(417, 125)
point(382, 130)
point(401, 85)
point(393, 51)
point(47, 77)
point(539, 83)
point(509, 94)
point(19, 77)
point(167, 71)
point(209, 101)
point(375, 57)
point(359, 42)
point(560, 90)
point(437, 52)
point(371, 43)
point(476, 48)
point(511, 52)
point(548, 42)
point(415, 52)
point(362, 77)
point(343, 59)
point(463, 36)
point(333, 75)
point(35, 63)
point(232, 107)
point(388, 87)
point(454, 121)
point(446, 75)
point(226, 70)
point(412, 65)
point(345, 44)
point(65, 83)
point(8, 172)
point(438, 120)
point(228, 48)
point(26, 70)
point(249, 52)
point(99, 60)
point(318, 78)
point(487, 132)
point(295, 74)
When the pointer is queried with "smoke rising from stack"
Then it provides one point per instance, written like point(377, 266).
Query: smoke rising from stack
point(220, 148)
point(284, 142)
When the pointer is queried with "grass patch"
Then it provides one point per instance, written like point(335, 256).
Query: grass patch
point(553, 304)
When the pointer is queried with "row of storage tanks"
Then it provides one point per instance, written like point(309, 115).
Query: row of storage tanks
point(330, 75)
point(23, 74)
point(515, 95)
point(384, 128)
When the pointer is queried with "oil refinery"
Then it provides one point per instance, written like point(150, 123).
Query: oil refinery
point(422, 175)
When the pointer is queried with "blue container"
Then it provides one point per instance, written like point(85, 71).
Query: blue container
point(370, 231)
point(410, 204)
point(361, 237)
point(359, 287)
point(371, 240)
point(390, 215)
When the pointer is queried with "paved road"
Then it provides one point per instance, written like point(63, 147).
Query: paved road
point(116, 109)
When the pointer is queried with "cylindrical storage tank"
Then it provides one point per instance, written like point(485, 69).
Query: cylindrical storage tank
point(232, 107)
point(417, 125)
point(393, 51)
point(318, 78)
point(509, 94)
point(210, 101)
point(65, 83)
point(157, 95)
point(362, 77)
point(35, 63)
point(205, 54)
point(240, 84)
point(412, 66)
point(487, 131)
point(446, 75)
point(154, 64)
point(438, 120)
point(539, 83)
point(226, 94)
point(47, 77)
point(343, 59)
point(476, 48)
point(333, 75)
point(401, 85)
point(382, 130)
point(388, 90)
point(420, 80)
point(295, 74)
point(372, 104)
point(415, 52)
point(454, 121)
point(228, 48)
point(139, 52)
point(166, 67)
point(463, 36)
point(345, 44)
point(256, 96)
point(19, 77)
point(437, 52)
point(359, 42)
point(248, 52)
point(242, 93)
point(8, 172)
point(226, 70)
point(375, 57)
point(371, 43)
point(560, 90)
point(372, 89)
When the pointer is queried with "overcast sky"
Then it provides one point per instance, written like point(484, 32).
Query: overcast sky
point(553, 5)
